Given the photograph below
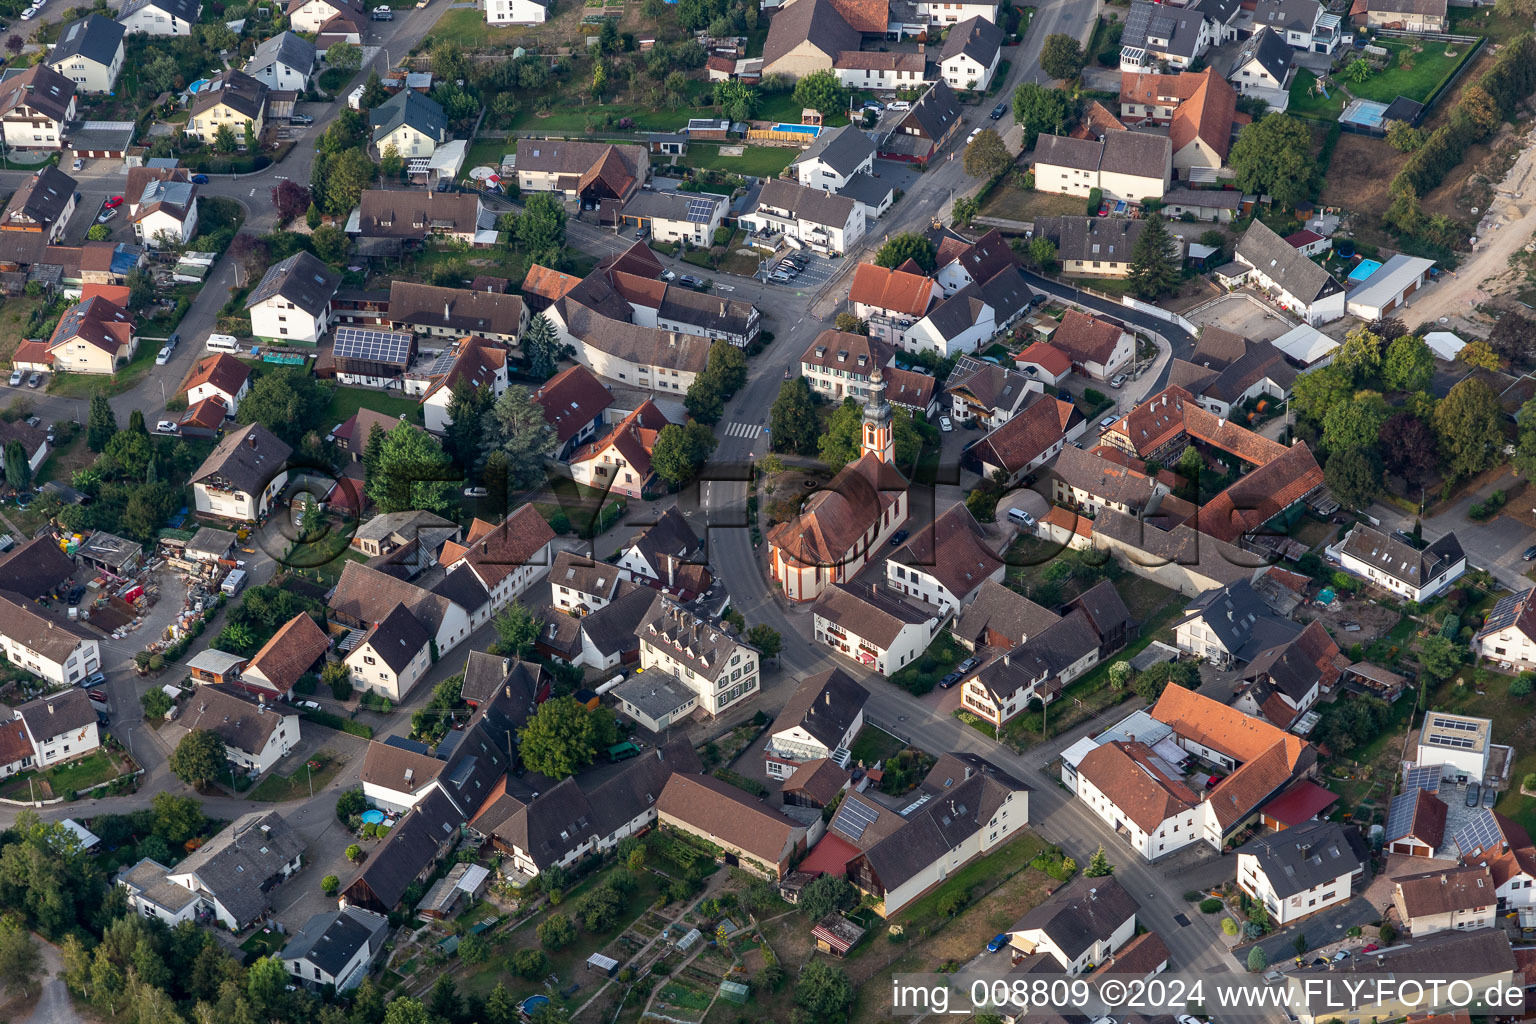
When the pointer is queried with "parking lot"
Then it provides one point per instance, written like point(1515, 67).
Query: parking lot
point(818, 270)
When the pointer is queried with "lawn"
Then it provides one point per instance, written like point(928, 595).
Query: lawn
point(781, 108)
point(73, 776)
point(938, 661)
point(572, 115)
point(1428, 69)
point(15, 314)
point(923, 915)
point(763, 161)
point(488, 153)
point(275, 788)
point(1486, 21)
point(346, 401)
point(1027, 205)
point(466, 26)
point(262, 943)
point(872, 745)
point(1304, 103)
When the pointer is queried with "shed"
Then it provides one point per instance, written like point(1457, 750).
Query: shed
point(88, 839)
point(687, 941)
point(110, 552)
point(474, 880)
point(836, 934)
point(735, 992)
point(607, 964)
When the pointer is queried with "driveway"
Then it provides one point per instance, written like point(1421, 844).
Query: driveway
point(53, 1005)
point(1323, 931)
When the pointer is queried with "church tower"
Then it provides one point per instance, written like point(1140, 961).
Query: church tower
point(877, 421)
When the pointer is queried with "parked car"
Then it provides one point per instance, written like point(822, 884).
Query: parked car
point(1490, 796)
point(998, 942)
point(950, 680)
point(475, 492)
point(303, 120)
point(79, 164)
point(972, 137)
point(76, 593)
point(998, 111)
point(945, 424)
point(967, 664)
point(28, 15)
point(311, 705)
point(167, 427)
point(33, 421)
point(1341, 956)
point(1370, 948)
point(669, 275)
point(105, 216)
point(383, 14)
point(1104, 424)
point(898, 537)
point(18, 375)
point(689, 281)
point(96, 679)
point(1118, 380)
point(163, 356)
point(35, 381)
point(114, 202)
point(199, 179)
point(99, 696)
point(642, 232)
point(901, 105)
point(1024, 519)
point(1529, 556)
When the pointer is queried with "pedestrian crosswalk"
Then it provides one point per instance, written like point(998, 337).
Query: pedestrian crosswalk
point(747, 430)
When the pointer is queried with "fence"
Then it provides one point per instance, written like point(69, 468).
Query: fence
point(1157, 311)
point(900, 734)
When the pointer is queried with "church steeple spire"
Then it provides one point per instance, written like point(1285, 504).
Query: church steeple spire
point(878, 439)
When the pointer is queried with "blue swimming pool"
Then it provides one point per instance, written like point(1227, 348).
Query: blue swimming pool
point(373, 817)
point(197, 86)
point(802, 129)
point(1364, 269)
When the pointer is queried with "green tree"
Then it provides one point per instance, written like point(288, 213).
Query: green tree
point(824, 990)
point(1359, 356)
point(1469, 422)
point(98, 233)
point(405, 1010)
point(224, 139)
point(1098, 864)
point(199, 758)
point(736, 99)
point(1353, 476)
point(821, 91)
point(828, 894)
point(541, 346)
point(448, 61)
point(1150, 684)
point(1274, 155)
point(1154, 268)
point(562, 737)
point(100, 423)
point(768, 641)
point(986, 156)
point(1257, 959)
point(18, 471)
point(1440, 657)
point(541, 228)
point(1479, 355)
point(727, 367)
point(289, 402)
point(1356, 423)
point(155, 702)
point(1359, 70)
point(908, 246)
point(1041, 110)
point(556, 931)
point(704, 400)
point(1404, 137)
point(1042, 252)
point(345, 174)
point(1525, 440)
point(792, 420)
point(516, 424)
point(1409, 365)
point(1061, 56)
point(849, 323)
point(414, 473)
point(345, 56)
point(330, 244)
point(517, 627)
point(844, 438)
point(374, 92)
point(680, 452)
point(1317, 392)
point(495, 479)
point(464, 436)
point(21, 959)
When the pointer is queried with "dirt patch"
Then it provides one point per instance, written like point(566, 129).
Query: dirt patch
point(1374, 620)
point(1358, 174)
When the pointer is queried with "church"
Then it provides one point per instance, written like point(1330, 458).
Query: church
point(843, 525)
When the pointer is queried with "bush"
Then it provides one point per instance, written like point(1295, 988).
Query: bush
point(1229, 926)
point(1529, 782)
point(329, 884)
point(1093, 397)
point(1522, 686)
point(953, 901)
point(1210, 906)
point(1488, 507)
point(556, 932)
point(1095, 199)
point(1388, 934)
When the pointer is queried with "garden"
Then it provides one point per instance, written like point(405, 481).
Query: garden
point(1415, 70)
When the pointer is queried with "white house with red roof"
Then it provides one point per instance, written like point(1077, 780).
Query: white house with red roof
point(620, 461)
point(1030, 439)
point(506, 559)
point(477, 363)
point(961, 262)
point(891, 300)
point(573, 401)
point(1046, 364)
point(222, 376)
point(1097, 348)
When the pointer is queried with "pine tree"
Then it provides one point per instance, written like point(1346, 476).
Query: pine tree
point(18, 473)
point(136, 422)
point(463, 439)
point(374, 449)
point(494, 478)
point(542, 347)
point(1099, 865)
point(100, 424)
point(1154, 267)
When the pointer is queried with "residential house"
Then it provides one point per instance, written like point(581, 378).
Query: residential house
point(816, 785)
point(1098, 348)
point(1226, 371)
point(95, 335)
point(1092, 246)
point(1460, 744)
point(866, 624)
point(962, 262)
point(35, 107)
point(516, 12)
point(574, 402)
point(1389, 287)
point(283, 62)
point(336, 948)
point(935, 119)
point(1231, 625)
point(160, 17)
point(1156, 35)
point(89, 53)
point(413, 215)
point(1130, 788)
point(890, 300)
point(1030, 439)
point(618, 349)
point(293, 651)
point(256, 735)
point(412, 124)
point(818, 722)
point(392, 656)
point(242, 475)
point(48, 648)
point(837, 155)
point(1048, 365)
point(657, 553)
point(211, 665)
point(1508, 634)
point(912, 390)
point(235, 871)
point(1284, 682)
point(476, 364)
point(606, 639)
point(1263, 67)
point(885, 71)
point(999, 618)
point(165, 213)
point(1506, 849)
point(826, 222)
point(42, 205)
point(839, 365)
point(1302, 870)
point(966, 320)
point(1129, 166)
point(589, 171)
point(620, 461)
point(940, 14)
point(506, 559)
point(230, 99)
point(1199, 109)
point(714, 667)
point(1081, 925)
point(987, 393)
point(1293, 281)
point(1404, 15)
point(1202, 204)
point(398, 773)
point(750, 834)
point(1091, 482)
point(675, 216)
point(1303, 24)
point(310, 15)
point(581, 586)
point(1445, 899)
point(1396, 567)
point(391, 532)
point(807, 36)
point(411, 852)
point(370, 357)
point(292, 303)
point(455, 313)
point(945, 563)
point(971, 53)
point(339, 28)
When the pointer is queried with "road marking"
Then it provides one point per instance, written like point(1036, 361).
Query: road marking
point(746, 430)
point(253, 192)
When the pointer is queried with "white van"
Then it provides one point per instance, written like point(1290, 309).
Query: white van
point(223, 343)
point(1021, 517)
point(233, 582)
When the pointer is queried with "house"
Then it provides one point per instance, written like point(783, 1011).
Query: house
point(392, 656)
point(292, 303)
point(454, 313)
point(840, 528)
point(50, 649)
point(1460, 744)
point(658, 551)
point(1199, 109)
point(353, 435)
point(750, 834)
point(1263, 67)
point(242, 475)
point(1396, 567)
point(807, 36)
point(834, 158)
point(1459, 898)
point(839, 365)
point(1294, 282)
point(544, 287)
point(89, 53)
point(1285, 681)
point(1048, 365)
point(35, 107)
point(1226, 371)
point(1202, 204)
point(620, 461)
point(964, 808)
point(945, 563)
point(712, 666)
point(283, 62)
point(477, 364)
point(939, 14)
point(1231, 625)
point(1415, 823)
point(294, 649)
point(581, 586)
point(1090, 482)
point(1309, 242)
point(516, 12)
point(390, 532)
point(370, 357)
point(310, 15)
point(885, 71)
point(1130, 787)
point(506, 559)
point(1129, 166)
point(816, 785)
point(42, 205)
point(410, 853)
point(1506, 850)
point(1000, 618)
point(1303, 24)
point(1508, 634)
point(1030, 439)
point(574, 402)
point(336, 948)
point(1093, 246)
point(1389, 287)
point(209, 545)
point(1083, 924)
point(160, 17)
point(340, 28)
point(1305, 869)
point(970, 317)
point(1404, 15)
point(934, 120)
point(234, 872)
point(165, 213)
point(396, 776)
point(962, 262)
point(987, 393)
point(412, 215)
point(826, 222)
point(675, 216)
point(866, 624)
point(230, 99)
point(255, 734)
point(971, 54)
point(212, 665)
point(34, 444)
point(412, 124)
point(589, 171)
point(606, 639)
point(891, 299)
point(618, 349)
point(1098, 348)
point(912, 391)
point(818, 722)
point(95, 335)
point(1177, 37)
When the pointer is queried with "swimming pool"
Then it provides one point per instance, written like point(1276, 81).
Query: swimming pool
point(800, 129)
point(197, 86)
point(1364, 269)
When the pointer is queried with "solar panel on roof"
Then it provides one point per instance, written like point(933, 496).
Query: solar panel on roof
point(700, 211)
point(1400, 815)
point(1481, 833)
point(1424, 776)
point(373, 345)
point(853, 818)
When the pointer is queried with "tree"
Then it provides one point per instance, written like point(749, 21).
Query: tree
point(464, 436)
point(768, 641)
point(841, 443)
point(1317, 392)
point(541, 228)
point(198, 758)
point(448, 61)
point(100, 423)
point(391, 164)
point(1469, 424)
point(1061, 56)
point(1098, 864)
point(350, 804)
point(14, 43)
point(289, 200)
point(517, 628)
point(345, 175)
point(525, 437)
point(530, 963)
point(680, 452)
point(1409, 365)
point(1479, 355)
point(726, 366)
point(828, 894)
point(704, 401)
point(155, 702)
point(1409, 449)
point(849, 323)
point(599, 79)
point(556, 932)
point(562, 737)
point(1404, 137)
point(1041, 110)
point(406, 1011)
point(18, 471)
point(444, 1003)
point(736, 99)
point(344, 56)
point(1360, 356)
point(1359, 70)
point(1353, 476)
point(820, 90)
point(21, 960)
point(177, 818)
point(1356, 423)
point(329, 885)
point(224, 139)
point(987, 156)
point(1514, 337)
point(98, 233)
point(824, 990)
point(413, 473)
point(1154, 268)
point(792, 422)
point(1440, 657)
point(1042, 252)
point(1150, 684)
point(374, 92)
point(905, 247)
point(541, 347)
point(330, 243)
point(1274, 155)
point(288, 402)
point(1257, 959)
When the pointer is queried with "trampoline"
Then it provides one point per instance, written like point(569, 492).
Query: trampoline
point(1364, 269)
point(373, 817)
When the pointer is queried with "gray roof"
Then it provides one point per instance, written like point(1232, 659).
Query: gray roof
point(709, 312)
point(1432, 7)
point(1100, 476)
point(58, 713)
point(1241, 620)
point(995, 387)
point(329, 941)
point(289, 49)
point(824, 705)
point(1280, 261)
point(397, 638)
point(1211, 199)
point(463, 589)
point(843, 149)
point(813, 21)
point(612, 629)
point(978, 38)
point(147, 880)
point(935, 114)
point(703, 647)
point(1181, 28)
point(666, 205)
point(1087, 911)
point(805, 203)
point(669, 535)
point(210, 541)
point(1391, 556)
point(94, 38)
point(247, 460)
point(1042, 656)
point(657, 694)
point(869, 612)
point(1066, 151)
point(413, 524)
point(484, 673)
point(42, 197)
point(234, 89)
point(409, 849)
point(866, 188)
point(1296, 15)
point(237, 863)
point(240, 722)
point(168, 193)
point(408, 107)
point(1271, 51)
point(1007, 293)
point(1092, 238)
point(301, 279)
point(1306, 855)
point(186, 10)
point(1003, 610)
point(1131, 152)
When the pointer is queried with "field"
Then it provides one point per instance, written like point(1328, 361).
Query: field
point(1358, 175)
point(1486, 21)
point(1026, 204)
point(466, 26)
point(1412, 74)
point(763, 161)
point(1304, 103)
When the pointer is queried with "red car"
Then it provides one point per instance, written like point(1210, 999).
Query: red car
point(99, 696)
point(114, 202)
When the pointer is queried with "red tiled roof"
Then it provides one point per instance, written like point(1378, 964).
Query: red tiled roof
point(1022, 439)
point(1054, 360)
point(895, 290)
point(478, 361)
point(571, 399)
point(1224, 729)
point(224, 372)
point(1097, 121)
point(837, 517)
point(1206, 115)
point(908, 388)
point(633, 438)
point(1086, 339)
point(1304, 801)
point(208, 414)
point(1261, 495)
point(867, 16)
point(1157, 90)
point(548, 284)
point(290, 652)
point(1066, 519)
point(495, 552)
point(1305, 236)
point(1128, 775)
point(31, 351)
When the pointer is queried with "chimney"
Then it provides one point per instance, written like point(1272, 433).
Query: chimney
point(445, 310)
point(671, 571)
point(826, 696)
point(410, 776)
point(50, 707)
point(250, 440)
point(920, 47)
